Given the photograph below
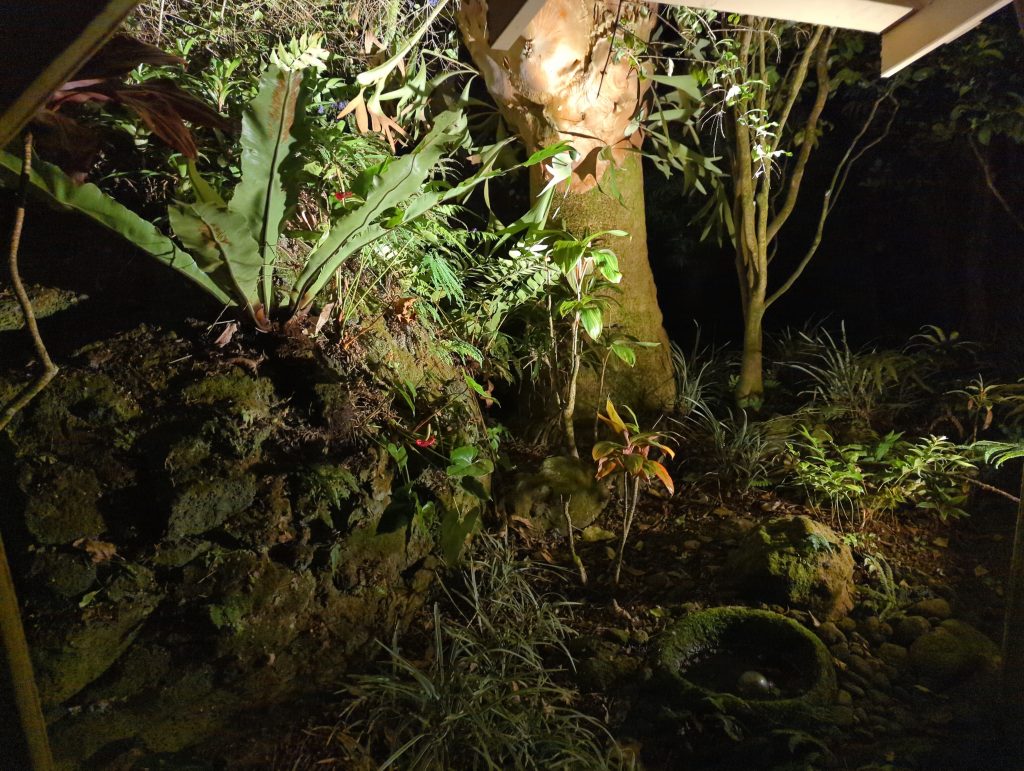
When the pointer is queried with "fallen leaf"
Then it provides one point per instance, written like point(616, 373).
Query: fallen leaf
point(323, 318)
point(980, 571)
point(98, 551)
point(942, 543)
point(225, 337)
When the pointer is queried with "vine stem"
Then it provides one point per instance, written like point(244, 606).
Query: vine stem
point(12, 633)
point(49, 368)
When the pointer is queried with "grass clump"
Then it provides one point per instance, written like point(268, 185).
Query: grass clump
point(489, 693)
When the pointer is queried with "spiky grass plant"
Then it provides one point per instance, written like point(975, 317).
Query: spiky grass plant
point(488, 694)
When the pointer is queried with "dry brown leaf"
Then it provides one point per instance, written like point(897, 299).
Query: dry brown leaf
point(225, 337)
point(98, 551)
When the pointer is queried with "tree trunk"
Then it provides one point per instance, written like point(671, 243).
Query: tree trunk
point(634, 312)
point(568, 78)
point(750, 388)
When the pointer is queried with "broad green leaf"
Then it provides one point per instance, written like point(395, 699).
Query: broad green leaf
point(462, 455)
point(625, 353)
point(455, 528)
point(204, 192)
point(593, 321)
point(268, 133)
point(685, 83)
point(397, 183)
point(604, 448)
point(58, 189)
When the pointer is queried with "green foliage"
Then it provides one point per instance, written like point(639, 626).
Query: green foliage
point(849, 385)
point(864, 479)
point(742, 453)
point(629, 457)
point(487, 697)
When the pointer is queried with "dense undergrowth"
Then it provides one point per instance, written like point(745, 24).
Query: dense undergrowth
point(383, 319)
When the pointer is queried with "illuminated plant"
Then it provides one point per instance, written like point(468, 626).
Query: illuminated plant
point(630, 458)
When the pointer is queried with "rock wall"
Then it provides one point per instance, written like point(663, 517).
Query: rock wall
point(197, 534)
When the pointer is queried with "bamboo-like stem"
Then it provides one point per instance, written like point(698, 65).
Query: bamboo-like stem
point(22, 678)
point(1013, 629)
point(49, 368)
point(572, 542)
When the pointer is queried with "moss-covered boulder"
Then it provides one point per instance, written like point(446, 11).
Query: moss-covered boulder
point(541, 497)
point(752, 664)
point(952, 652)
point(46, 301)
point(798, 562)
point(198, 533)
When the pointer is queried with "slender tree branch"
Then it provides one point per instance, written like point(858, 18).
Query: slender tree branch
point(800, 76)
point(745, 175)
point(990, 182)
point(810, 128)
point(838, 183)
point(990, 488)
point(49, 368)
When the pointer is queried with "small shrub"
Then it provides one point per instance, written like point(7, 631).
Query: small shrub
point(928, 474)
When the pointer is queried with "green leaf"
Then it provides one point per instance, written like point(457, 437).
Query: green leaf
point(214, 232)
point(593, 321)
point(268, 133)
point(56, 188)
point(398, 182)
point(624, 352)
point(685, 83)
point(454, 531)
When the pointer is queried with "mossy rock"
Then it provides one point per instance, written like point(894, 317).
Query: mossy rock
point(706, 654)
point(46, 301)
point(540, 497)
point(62, 503)
point(251, 568)
point(70, 653)
point(205, 505)
point(798, 562)
point(66, 575)
point(952, 652)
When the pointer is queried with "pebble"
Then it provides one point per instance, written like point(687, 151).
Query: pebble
point(843, 716)
point(878, 697)
point(935, 607)
point(831, 634)
point(859, 665)
point(846, 624)
point(841, 651)
point(881, 680)
point(871, 628)
point(692, 545)
point(854, 690)
point(893, 654)
point(909, 628)
point(844, 698)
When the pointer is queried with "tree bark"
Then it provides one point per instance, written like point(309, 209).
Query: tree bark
point(634, 312)
point(750, 387)
point(570, 77)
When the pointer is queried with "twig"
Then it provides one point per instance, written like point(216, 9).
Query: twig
point(49, 368)
point(572, 542)
point(991, 184)
point(990, 489)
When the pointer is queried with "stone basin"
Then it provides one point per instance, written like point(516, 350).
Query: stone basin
point(727, 654)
